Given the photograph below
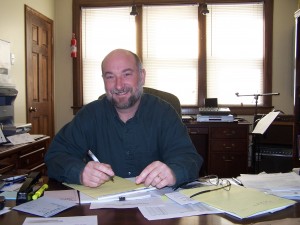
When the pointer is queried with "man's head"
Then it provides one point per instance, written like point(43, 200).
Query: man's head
point(123, 78)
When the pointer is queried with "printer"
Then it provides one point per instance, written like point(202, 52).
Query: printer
point(8, 95)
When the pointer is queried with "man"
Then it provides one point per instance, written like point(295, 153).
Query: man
point(131, 133)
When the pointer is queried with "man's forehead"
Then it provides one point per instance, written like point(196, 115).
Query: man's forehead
point(119, 62)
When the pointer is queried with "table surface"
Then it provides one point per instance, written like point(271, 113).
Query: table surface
point(134, 217)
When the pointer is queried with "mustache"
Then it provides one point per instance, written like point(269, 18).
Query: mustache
point(116, 91)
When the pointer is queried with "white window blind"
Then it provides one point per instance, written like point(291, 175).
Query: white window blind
point(170, 50)
point(234, 52)
point(235, 49)
point(103, 30)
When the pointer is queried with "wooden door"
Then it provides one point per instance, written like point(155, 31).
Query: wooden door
point(39, 72)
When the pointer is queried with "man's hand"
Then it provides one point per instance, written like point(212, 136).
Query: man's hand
point(94, 174)
point(157, 174)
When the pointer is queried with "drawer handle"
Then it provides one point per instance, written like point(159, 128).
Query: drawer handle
point(228, 146)
point(33, 152)
point(229, 133)
point(228, 160)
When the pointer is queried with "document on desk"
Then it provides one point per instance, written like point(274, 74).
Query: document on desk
point(157, 201)
point(44, 206)
point(110, 191)
point(65, 195)
point(239, 201)
point(72, 220)
point(285, 185)
point(174, 210)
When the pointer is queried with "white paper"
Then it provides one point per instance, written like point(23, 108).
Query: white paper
point(136, 192)
point(5, 210)
point(128, 203)
point(73, 220)
point(181, 198)
point(2, 138)
point(281, 184)
point(44, 206)
point(12, 187)
point(66, 195)
point(265, 122)
point(20, 138)
point(174, 210)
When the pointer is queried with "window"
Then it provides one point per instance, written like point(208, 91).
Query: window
point(234, 34)
point(170, 50)
point(103, 30)
point(184, 52)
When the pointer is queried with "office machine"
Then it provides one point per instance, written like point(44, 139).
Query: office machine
point(8, 95)
point(215, 118)
point(7, 98)
point(214, 111)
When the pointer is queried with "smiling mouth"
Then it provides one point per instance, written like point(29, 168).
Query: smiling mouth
point(120, 92)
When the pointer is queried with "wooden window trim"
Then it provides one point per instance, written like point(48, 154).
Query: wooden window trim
point(268, 16)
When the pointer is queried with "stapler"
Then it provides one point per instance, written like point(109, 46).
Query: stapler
point(26, 190)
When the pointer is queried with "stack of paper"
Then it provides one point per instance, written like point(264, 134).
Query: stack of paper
point(285, 185)
point(239, 201)
point(112, 191)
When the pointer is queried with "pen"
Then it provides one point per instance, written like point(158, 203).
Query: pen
point(96, 160)
point(237, 181)
point(15, 178)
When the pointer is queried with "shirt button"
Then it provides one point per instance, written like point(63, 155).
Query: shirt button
point(128, 152)
point(129, 173)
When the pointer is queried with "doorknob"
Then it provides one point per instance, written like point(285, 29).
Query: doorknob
point(31, 109)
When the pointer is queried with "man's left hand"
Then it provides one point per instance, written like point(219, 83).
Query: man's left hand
point(156, 174)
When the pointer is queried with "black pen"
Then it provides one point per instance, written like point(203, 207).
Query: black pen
point(96, 160)
point(237, 181)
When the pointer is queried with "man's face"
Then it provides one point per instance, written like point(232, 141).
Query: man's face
point(122, 79)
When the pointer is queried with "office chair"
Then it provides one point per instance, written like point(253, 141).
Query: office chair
point(166, 96)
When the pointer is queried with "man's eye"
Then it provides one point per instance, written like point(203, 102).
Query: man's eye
point(128, 74)
point(108, 77)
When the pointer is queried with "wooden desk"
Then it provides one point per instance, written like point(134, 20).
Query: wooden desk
point(224, 146)
point(134, 217)
point(24, 157)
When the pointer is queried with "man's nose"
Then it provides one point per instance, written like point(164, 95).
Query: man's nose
point(119, 82)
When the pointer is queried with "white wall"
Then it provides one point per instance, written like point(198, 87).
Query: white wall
point(12, 24)
point(12, 29)
point(283, 54)
point(63, 96)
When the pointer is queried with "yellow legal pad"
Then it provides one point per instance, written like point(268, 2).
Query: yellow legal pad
point(239, 201)
point(109, 188)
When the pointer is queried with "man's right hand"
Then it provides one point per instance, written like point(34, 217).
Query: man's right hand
point(94, 174)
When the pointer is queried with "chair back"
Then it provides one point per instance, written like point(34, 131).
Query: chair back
point(166, 96)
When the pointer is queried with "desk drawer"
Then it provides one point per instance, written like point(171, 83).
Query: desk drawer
point(8, 163)
point(32, 158)
point(229, 132)
point(198, 130)
point(228, 146)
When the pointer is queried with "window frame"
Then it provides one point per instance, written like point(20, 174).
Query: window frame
point(202, 88)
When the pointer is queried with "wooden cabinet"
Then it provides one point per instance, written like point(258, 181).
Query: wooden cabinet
point(228, 150)
point(24, 157)
point(224, 147)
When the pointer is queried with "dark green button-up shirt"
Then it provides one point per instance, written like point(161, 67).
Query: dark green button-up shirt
point(156, 132)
